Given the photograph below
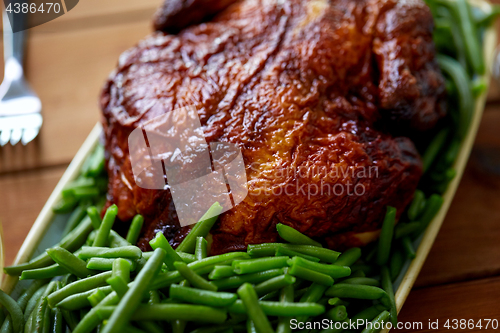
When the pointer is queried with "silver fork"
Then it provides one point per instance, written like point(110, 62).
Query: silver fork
point(20, 118)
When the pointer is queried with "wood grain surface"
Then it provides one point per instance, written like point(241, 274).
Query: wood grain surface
point(67, 62)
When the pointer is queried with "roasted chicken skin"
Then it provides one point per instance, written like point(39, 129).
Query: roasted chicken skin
point(301, 87)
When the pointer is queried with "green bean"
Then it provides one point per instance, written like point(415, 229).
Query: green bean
point(200, 250)
point(469, 34)
point(161, 242)
point(335, 271)
point(203, 297)
point(105, 227)
point(193, 278)
point(362, 280)
point(396, 264)
point(451, 153)
point(131, 300)
point(106, 264)
point(405, 229)
point(454, 38)
point(74, 240)
point(178, 326)
point(33, 301)
point(135, 229)
point(253, 309)
point(91, 320)
point(387, 286)
point(286, 296)
point(294, 236)
point(186, 257)
point(121, 268)
point(201, 228)
point(118, 284)
point(65, 205)
point(435, 146)
point(28, 326)
point(313, 294)
point(275, 283)
point(432, 206)
point(384, 242)
point(280, 309)
point(269, 249)
point(43, 273)
point(408, 247)
point(80, 193)
point(466, 102)
point(210, 262)
point(94, 216)
point(337, 301)
point(69, 262)
point(129, 252)
point(258, 265)
point(96, 163)
point(38, 314)
point(115, 240)
point(80, 300)
point(417, 204)
point(57, 321)
point(282, 251)
point(78, 287)
point(236, 281)
point(310, 275)
point(348, 257)
point(338, 313)
point(74, 219)
point(357, 291)
point(70, 318)
point(96, 297)
point(220, 272)
point(375, 324)
point(169, 312)
point(154, 297)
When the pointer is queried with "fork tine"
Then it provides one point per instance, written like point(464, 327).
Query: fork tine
point(4, 137)
point(29, 134)
point(16, 135)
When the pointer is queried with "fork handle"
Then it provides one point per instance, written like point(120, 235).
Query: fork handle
point(14, 42)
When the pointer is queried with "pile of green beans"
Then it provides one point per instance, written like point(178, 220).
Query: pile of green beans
point(95, 280)
point(109, 285)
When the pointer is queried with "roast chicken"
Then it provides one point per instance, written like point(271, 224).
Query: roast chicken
point(298, 85)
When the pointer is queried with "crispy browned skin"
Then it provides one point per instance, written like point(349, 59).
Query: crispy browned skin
point(298, 85)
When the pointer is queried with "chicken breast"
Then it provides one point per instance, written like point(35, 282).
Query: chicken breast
point(311, 91)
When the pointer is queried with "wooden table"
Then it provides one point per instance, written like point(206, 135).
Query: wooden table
point(67, 62)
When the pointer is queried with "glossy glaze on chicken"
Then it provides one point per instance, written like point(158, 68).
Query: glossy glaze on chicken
point(300, 87)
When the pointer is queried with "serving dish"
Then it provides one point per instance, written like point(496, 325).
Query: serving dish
point(48, 227)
